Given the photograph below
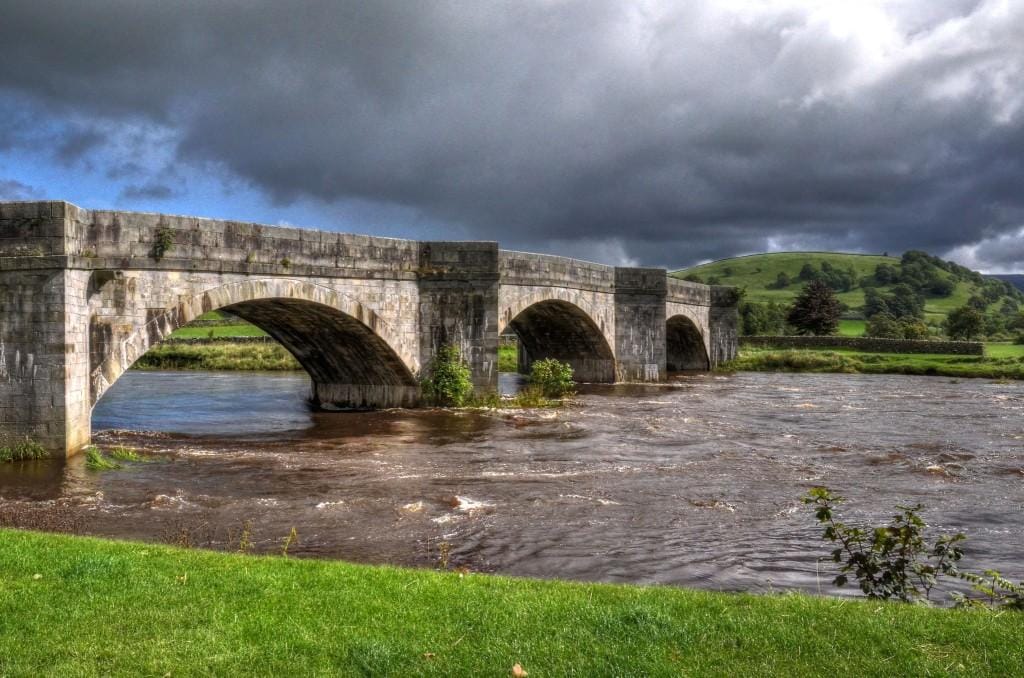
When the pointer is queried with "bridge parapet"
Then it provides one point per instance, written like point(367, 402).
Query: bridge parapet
point(100, 239)
point(686, 292)
point(525, 268)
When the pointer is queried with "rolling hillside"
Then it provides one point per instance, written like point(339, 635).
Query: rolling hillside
point(759, 274)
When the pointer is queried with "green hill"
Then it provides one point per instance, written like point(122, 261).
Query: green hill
point(943, 285)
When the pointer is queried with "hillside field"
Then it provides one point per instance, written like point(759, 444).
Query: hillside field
point(758, 272)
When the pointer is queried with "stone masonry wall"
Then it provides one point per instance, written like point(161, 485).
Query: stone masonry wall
point(640, 324)
point(458, 291)
point(84, 293)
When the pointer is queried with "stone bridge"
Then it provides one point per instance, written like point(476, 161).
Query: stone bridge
point(83, 294)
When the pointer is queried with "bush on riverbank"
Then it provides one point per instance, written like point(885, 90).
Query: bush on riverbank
point(95, 607)
point(897, 562)
point(552, 377)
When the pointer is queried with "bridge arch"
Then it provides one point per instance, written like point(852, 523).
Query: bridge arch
point(685, 345)
point(557, 328)
point(351, 354)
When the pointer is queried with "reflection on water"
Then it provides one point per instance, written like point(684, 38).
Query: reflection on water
point(696, 482)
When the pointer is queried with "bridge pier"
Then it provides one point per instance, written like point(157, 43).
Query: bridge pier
point(640, 324)
point(44, 354)
point(724, 324)
point(458, 305)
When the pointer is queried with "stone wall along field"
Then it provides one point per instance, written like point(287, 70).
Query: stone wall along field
point(870, 344)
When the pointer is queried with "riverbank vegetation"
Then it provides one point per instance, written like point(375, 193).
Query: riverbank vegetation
point(900, 560)
point(1005, 365)
point(258, 356)
point(99, 607)
point(449, 381)
point(449, 384)
point(508, 357)
point(23, 450)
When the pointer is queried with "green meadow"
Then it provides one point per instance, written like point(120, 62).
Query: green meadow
point(757, 274)
point(74, 606)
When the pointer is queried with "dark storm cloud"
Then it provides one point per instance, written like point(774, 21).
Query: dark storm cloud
point(11, 189)
point(75, 144)
point(149, 191)
point(661, 132)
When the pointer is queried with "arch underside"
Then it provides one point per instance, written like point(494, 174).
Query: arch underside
point(684, 346)
point(561, 330)
point(349, 365)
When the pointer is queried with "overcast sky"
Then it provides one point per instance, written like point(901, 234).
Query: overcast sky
point(658, 133)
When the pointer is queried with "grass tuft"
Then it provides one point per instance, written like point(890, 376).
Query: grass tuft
point(123, 453)
point(25, 450)
point(97, 461)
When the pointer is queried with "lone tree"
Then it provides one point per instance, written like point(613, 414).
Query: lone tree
point(816, 310)
point(965, 322)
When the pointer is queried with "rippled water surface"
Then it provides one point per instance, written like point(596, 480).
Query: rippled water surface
point(696, 482)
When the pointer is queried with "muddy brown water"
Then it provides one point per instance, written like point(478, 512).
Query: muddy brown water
point(696, 482)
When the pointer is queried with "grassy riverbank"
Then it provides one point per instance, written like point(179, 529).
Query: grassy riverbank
point(244, 356)
point(76, 606)
point(263, 356)
point(1004, 365)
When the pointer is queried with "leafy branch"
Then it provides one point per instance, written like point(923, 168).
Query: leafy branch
point(895, 561)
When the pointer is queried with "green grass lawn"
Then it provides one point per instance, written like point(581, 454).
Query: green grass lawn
point(72, 606)
point(757, 272)
point(508, 358)
point(852, 328)
point(1004, 350)
point(232, 326)
point(218, 331)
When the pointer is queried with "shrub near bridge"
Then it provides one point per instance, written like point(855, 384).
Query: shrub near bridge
point(450, 382)
point(552, 377)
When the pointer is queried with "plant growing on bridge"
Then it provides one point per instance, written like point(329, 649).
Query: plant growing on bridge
point(553, 378)
point(895, 561)
point(449, 381)
point(162, 242)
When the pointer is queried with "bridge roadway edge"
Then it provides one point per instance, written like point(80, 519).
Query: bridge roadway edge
point(85, 293)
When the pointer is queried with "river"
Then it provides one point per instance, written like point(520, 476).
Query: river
point(696, 482)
